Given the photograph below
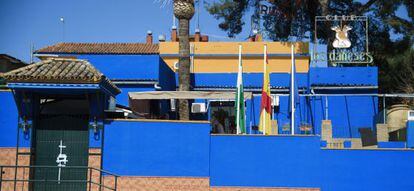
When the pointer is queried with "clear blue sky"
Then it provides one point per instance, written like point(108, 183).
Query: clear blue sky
point(26, 22)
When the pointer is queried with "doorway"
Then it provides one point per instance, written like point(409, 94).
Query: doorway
point(61, 147)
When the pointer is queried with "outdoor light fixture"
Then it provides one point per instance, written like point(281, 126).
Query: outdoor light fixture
point(95, 125)
point(25, 125)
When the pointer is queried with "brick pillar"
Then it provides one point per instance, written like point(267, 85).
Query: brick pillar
point(326, 130)
point(382, 133)
point(149, 37)
point(197, 36)
point(174, 37)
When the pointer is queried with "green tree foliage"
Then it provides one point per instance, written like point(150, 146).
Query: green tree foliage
point(295, 18)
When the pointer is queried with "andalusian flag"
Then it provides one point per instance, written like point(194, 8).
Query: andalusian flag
point(266, 104)
point(239, 103)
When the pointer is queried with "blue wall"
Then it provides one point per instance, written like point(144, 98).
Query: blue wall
point(157, 148)
point(347, 113)
point(361, 170)
point(134, 67)
point(264, 161)
point(344, 76)
point(123, 97)
point(286, 161)
point(122, 67)
point(249, 80)
point(8, 119)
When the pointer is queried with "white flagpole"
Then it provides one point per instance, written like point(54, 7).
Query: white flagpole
point(238, 94)
point(264, 73)
point(292, 91)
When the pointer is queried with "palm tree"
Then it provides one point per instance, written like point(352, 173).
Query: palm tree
point(184, 11)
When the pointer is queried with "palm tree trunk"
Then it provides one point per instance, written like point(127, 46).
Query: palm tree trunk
point(184, 67)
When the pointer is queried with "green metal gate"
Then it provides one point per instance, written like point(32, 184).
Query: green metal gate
point(61, 141)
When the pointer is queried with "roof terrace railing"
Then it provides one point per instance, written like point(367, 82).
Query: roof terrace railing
point(21, 178)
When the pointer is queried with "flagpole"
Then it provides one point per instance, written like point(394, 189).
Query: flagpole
point(238, 94)
point(292, 91)
point(264, 73)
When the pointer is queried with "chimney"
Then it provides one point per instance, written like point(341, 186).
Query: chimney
point(258, 38)
point(174, 34)
point(251, 38)
point(197, 36)
point(161, 38)
point(149, 37)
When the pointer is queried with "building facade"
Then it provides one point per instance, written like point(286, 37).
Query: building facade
point(72, 119)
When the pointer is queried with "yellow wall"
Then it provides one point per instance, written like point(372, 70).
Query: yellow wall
point(228, 64)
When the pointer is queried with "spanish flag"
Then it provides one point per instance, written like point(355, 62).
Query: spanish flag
point(266, 104)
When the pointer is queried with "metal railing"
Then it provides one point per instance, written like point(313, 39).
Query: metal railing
point(18, 178)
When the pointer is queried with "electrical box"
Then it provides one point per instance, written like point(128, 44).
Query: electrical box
point(198, 108)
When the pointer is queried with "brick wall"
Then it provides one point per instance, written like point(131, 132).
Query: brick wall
point(8, 158)
point(261, 189)
point(125, 183)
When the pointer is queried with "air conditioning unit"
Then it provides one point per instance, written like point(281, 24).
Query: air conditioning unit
point(198, 108)
point(410, 116)
point(176, 65)
point(172, 105)
point(275, 100)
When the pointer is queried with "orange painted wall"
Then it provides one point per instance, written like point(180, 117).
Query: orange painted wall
point(220, 64)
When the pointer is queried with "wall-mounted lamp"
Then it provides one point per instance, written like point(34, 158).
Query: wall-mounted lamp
point(96, 126)
point(25, 124)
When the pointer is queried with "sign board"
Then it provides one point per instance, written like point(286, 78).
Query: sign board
point(342, 49)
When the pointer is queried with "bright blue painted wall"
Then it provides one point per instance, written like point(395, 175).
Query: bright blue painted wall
point(157, 148)
point(8, 120)
point(144, 67)
point(347, 113)
point(286, 161)
point(166, 77)
point(8, 123)
point(344, 76)
point(361, 170)
point(249, 79)
point(123, 97)
point(264, 161)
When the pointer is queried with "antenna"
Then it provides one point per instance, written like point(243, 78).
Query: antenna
point(31, 52)
point(198, 14)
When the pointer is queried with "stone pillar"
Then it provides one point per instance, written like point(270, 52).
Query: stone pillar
point(275, 127)
point(327, 130)
point(382, 133)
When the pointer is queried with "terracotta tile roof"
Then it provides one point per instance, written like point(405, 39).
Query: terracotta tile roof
point(100, 48)
point(58, 70)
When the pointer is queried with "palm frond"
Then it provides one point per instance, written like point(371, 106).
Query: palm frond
point(163, 3)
